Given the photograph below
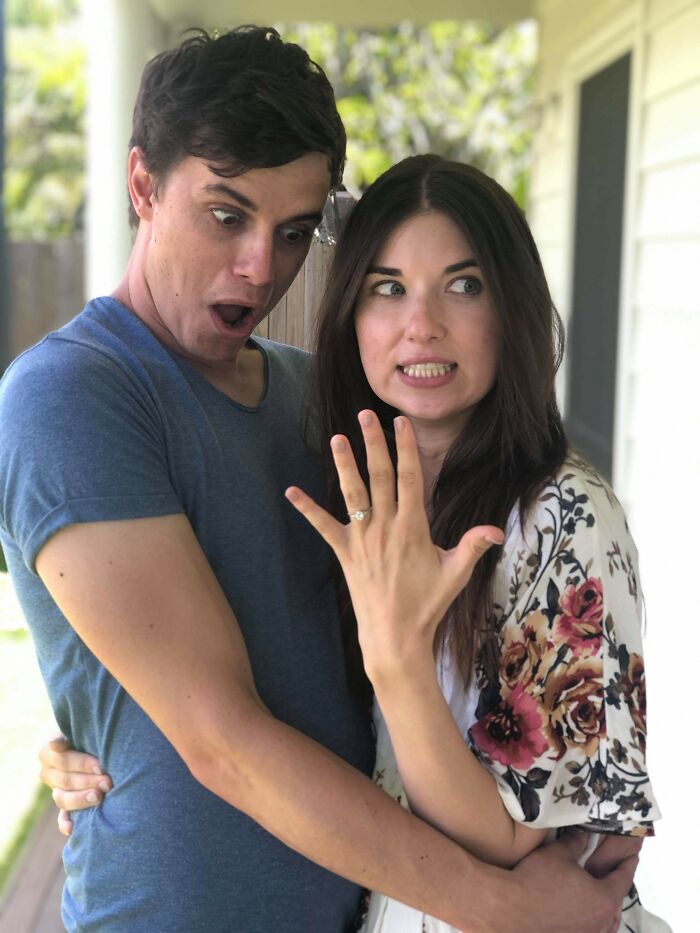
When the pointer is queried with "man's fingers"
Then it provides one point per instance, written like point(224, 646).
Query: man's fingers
point(619, 881)
point(611, 851)
point(330, 530)
point(381, 469)
point(70, 800)
point(573, 842)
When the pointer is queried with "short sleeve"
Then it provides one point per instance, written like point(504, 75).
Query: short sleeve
point(564, 729)
point(81, 440)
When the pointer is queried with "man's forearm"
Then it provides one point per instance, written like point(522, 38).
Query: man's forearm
point(328, 811)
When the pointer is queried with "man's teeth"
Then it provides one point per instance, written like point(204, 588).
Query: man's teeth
point(428, 370)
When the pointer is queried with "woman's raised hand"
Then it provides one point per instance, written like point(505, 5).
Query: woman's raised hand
point(401, 584)
point(76, 780)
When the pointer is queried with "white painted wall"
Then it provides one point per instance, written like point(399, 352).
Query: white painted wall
point(657, 449)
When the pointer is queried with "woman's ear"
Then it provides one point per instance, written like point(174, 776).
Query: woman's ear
point(141, 184)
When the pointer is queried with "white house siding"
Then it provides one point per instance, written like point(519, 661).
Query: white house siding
point(657, 444)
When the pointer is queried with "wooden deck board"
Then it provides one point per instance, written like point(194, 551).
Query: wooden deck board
point(32, 903)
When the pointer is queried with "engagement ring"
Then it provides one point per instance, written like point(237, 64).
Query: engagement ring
point(361, 514)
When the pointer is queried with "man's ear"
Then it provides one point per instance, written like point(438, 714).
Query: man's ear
point(141, 184)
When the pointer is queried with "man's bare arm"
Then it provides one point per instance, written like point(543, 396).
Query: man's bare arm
point(143, 598)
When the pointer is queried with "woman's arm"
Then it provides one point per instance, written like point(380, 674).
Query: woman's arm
point(445, 783)
point(401, 586)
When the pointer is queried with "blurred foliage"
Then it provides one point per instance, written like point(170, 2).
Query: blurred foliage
point(45, 89)
point(461, 89)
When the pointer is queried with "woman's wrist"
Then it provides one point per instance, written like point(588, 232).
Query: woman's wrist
point(403, 677)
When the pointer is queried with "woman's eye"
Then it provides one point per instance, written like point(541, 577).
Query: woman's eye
point(388, 289)
point(226, 218)
point(467, 285)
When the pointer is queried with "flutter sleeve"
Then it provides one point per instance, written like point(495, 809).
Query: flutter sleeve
point(564, 728)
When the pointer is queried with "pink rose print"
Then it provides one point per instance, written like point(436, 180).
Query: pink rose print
point(512, 732)
point(580, 626)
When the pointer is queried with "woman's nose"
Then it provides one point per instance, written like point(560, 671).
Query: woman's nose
point(425, 322)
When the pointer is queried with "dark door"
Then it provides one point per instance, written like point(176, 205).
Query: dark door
point(593, 326)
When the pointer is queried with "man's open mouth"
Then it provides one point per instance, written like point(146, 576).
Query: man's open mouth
point(231, 314)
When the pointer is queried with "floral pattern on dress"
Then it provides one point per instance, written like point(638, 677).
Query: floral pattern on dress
point(564, 728)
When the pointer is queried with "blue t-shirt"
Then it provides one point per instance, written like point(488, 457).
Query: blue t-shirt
point(98, 422)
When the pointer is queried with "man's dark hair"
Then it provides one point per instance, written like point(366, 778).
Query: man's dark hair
point(241, 100)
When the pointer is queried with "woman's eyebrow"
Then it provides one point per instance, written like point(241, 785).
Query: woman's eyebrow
point(382, 270)
point(455, 267)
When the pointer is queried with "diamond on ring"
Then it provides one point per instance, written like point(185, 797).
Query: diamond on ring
point(361, 514)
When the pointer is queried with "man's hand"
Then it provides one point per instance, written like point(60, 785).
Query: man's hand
point(611, 852)
point(76, 779)
point(570, 899)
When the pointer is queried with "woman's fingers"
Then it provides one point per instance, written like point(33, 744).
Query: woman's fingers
point(59, 755)
point(74, 780)
point(471, 548)
point(65, 823)
point(330, 530)
point(381, 470)
point(351, 484)
point(70, 800)
point(409, 476)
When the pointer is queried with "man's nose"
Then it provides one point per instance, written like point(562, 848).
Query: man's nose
point(255, 259)
point(425, 321)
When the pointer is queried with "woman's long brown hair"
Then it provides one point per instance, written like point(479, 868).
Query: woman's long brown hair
point(514, 441)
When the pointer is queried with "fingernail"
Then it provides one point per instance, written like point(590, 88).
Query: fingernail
point(365, 419)
point(96, 770)
point(104, 786)
point(91, 796)
point(492, 540)
point(338, 444)
point(292, 495)
point(399, 424)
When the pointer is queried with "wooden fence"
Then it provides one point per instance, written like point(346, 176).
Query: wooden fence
point(293, 319)
point(47, 290)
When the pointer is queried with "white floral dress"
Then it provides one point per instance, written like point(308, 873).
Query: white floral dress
point(563, 732)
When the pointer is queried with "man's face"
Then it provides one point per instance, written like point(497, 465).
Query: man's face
point(221, 252)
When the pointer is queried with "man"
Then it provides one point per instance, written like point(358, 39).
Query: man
point(183, 615)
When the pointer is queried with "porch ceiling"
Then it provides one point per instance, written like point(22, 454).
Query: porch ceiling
point(349, 12)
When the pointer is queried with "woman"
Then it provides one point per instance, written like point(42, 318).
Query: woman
point(533, 718)
point(437, 308)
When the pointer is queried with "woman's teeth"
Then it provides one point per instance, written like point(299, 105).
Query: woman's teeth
point(428, 370)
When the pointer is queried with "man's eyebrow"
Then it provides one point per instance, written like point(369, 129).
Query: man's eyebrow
point(455, 267)
point(229, 192)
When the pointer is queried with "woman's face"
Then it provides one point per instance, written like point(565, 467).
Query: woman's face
point(426, 328)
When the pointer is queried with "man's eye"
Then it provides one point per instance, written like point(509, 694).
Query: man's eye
point(296, 234)
point(467, 285)
point(226, 218)
point(388, 289)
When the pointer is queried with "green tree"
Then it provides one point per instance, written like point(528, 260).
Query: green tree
point(45, 119)
point(461, 89)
